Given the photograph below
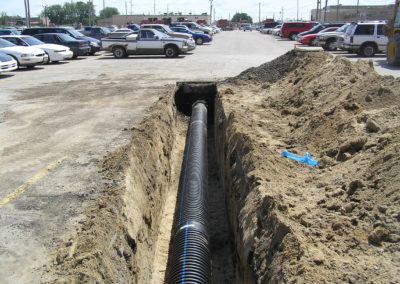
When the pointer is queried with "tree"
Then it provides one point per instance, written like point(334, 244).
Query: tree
point(3, 18)
point(108, 12)
point(242, 17)
point(70, 13)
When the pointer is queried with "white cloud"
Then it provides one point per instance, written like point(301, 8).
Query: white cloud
point(223, 8)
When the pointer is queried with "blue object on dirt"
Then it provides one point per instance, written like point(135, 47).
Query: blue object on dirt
point(304, 159)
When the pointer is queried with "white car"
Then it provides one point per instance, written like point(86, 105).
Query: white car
point(27, 56)
point(7, 63)
point(54, 51)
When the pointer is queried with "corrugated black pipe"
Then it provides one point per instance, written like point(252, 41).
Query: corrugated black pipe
point(190, 261)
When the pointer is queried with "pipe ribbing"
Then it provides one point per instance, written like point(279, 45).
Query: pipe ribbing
point(190, 260)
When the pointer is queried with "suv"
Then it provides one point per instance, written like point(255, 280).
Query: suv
point(93, 43)
point(193, 26)
point(291, 29)
point(365, 38)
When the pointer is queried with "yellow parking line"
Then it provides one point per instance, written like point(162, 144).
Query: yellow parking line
point(34, 179)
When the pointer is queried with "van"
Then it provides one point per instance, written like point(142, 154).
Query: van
point(291, 29)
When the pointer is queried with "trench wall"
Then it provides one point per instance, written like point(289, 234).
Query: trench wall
point(263, 242)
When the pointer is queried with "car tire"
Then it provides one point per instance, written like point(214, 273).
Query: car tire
point(48, 59)
point(18, 65)
point(92, 53)
point(171, 52)
point(314, 42)
point(330, 45)
point(367, 50)
point(292, 36)
point(30, 66)
point(199, 41)
point(119, 52)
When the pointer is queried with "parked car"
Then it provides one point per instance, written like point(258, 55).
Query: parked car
point(96, 32)
point(26, 56)
point(7, 63)
point(317, 28)
point(247, 27)
point(93, 43)
point(166, 30)
point(277, 30)
point(292, 29)
point(55, 52)
point(311, 39)
point(78, 47)
point(133, 27)
point(146, 42)
point(193, 26)
point(9, 32)
point(365, 38)
point(329, 40)
point(199, 38)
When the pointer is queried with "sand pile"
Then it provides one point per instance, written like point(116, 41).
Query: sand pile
point(339, 221)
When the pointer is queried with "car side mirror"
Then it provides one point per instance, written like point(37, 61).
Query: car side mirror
point(156, 37)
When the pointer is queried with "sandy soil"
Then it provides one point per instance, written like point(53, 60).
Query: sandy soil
point(334, 223)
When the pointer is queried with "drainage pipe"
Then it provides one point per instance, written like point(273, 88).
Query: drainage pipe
point(190, 259)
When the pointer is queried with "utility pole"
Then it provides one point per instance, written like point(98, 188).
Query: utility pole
point(297, 18)
point(337, 11)
point(318, 14)
point(211, 12)
point(154, 8)
point(282, 14)
point(326, 5)
point(27, 13)
point(358, 3)
point(259, 13)
point(90, 13)
point(131, 7)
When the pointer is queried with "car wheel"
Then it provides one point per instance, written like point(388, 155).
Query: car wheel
point(171, 51)
point(48, 59)
point(30, 66)
point(199, 41)
point(92, 53)
point(18, 65)
point(330, 45)
point(119, 52)
point(314, 42)
point(293, 36)
point(368, 50)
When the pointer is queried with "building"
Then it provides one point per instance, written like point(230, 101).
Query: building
point(121, 20)
point(352, 13)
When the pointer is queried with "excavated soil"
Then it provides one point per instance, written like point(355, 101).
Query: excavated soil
point(290, 222)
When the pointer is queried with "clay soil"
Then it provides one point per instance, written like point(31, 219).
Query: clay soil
point(337, 222)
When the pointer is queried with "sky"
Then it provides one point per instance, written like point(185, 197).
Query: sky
point(223, 8)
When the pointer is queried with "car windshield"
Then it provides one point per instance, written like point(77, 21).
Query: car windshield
point(66, 37)
point(75, 33)
point(350, 29)
point(343, 28)
point(32, 41)
point(168, 29)
point(315, 28)
point(160, 34)
point(5, 43)
point(106, 30)
point(328, 30)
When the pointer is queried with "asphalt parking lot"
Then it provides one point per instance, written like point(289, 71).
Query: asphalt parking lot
point(58, 121)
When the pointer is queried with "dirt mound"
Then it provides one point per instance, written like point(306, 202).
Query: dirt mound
point(339, 221)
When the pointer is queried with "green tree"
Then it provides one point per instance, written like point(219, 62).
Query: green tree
point(242, 17)
point(70, 13)
point(108, 12)
point(56, 14)
point(3, 18)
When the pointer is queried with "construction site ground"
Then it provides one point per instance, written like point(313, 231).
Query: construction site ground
point(70, 131)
